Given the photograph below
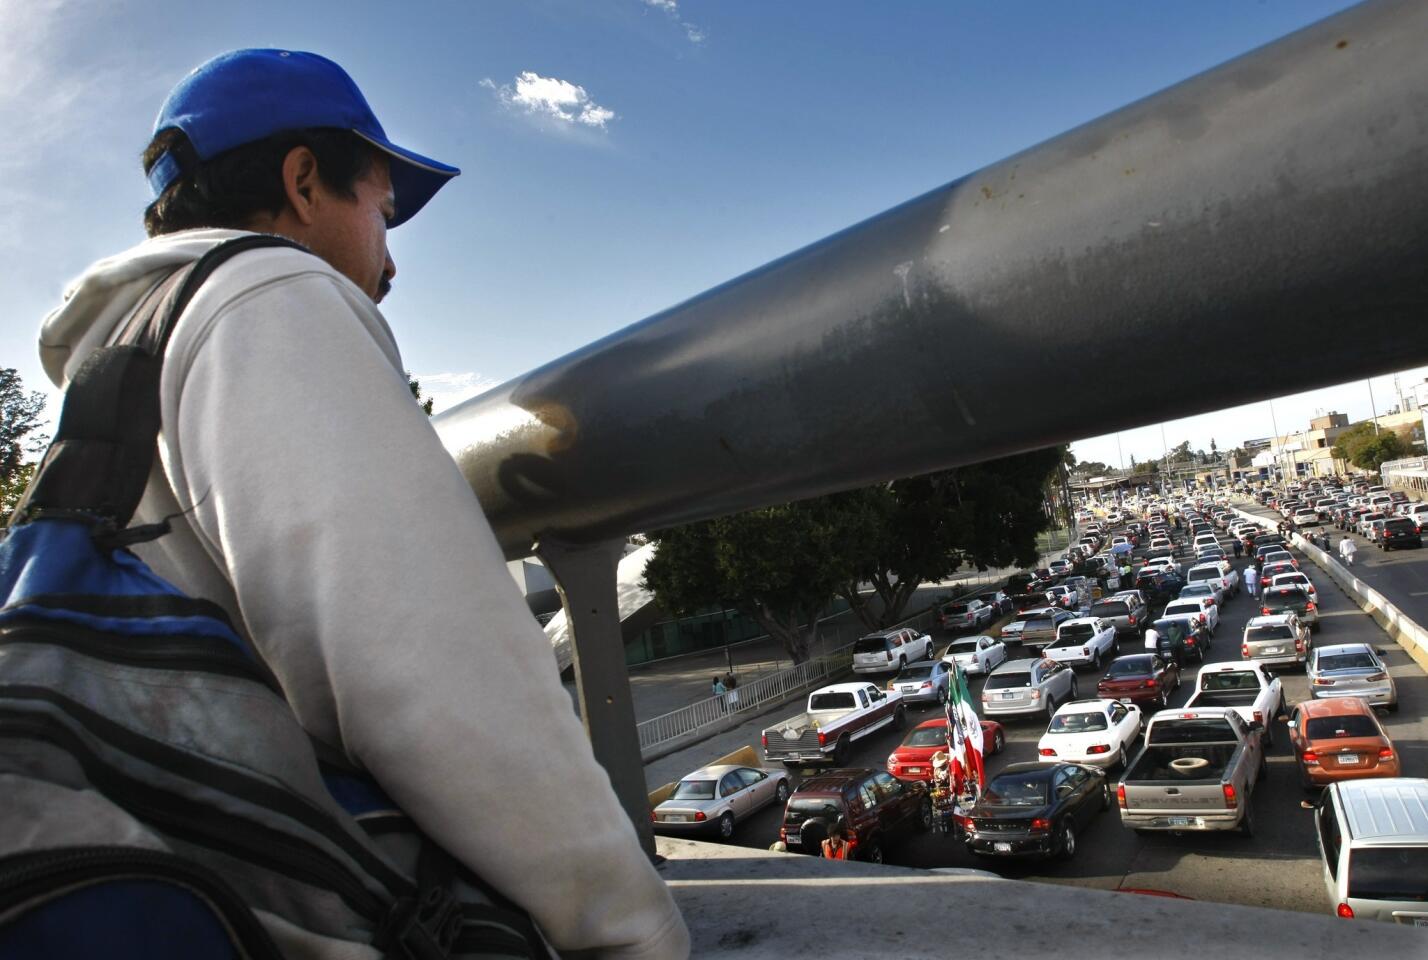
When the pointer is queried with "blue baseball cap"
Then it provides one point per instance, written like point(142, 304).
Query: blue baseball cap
point(246, 95)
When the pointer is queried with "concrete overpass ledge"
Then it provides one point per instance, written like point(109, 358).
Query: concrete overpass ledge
point(753, 905)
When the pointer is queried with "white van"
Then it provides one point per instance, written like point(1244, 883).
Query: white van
point(1373, 843)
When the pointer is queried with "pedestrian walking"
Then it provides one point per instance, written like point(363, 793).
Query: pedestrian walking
point(731, 683)
point(1347, 549)
point(1252, 581)
point(1238, 548)
point(720, 691)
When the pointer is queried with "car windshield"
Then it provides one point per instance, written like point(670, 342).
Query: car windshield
point(1192, 609)
point(831, 701)
point(693, 790)
point(1077, 723)
point(1076, 632)
point(1008, 680)
point(916, 671)
point(1337, 728)
point(801, 808)
point(1346, 661)
point(1198, 590)
point(927, 737)
point(1206, 573)
point(1171, 630)
point(871, 645)
point(1129, 667)
point(1400, 526)
point(1278, 631)
point(1111, 608)
point(1285, 600)
point(962, 646)
point(1389, 873)
point(1038, 623)
point(1011, 790)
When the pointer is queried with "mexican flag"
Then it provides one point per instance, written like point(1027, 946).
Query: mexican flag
point(964, 738)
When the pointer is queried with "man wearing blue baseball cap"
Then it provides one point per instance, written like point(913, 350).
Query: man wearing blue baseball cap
point(309, 496)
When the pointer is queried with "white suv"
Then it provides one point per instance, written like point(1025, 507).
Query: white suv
point(1373, 841)
point(889, 650)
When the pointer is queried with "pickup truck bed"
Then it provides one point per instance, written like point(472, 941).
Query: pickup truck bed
point(1153, 764)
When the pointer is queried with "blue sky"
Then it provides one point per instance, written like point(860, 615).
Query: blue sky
point(619, 155)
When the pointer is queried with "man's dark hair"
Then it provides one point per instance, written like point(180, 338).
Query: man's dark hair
point(233, 187)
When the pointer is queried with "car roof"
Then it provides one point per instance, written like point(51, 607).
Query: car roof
point(1335, 707)
point(1340, 648)
point(834, 781)
point(1387, 810)
point(1038, 771)
point(1096, 705)
point(1268, 620)
point(1017, 666)
point(1090, 620)
point(716, 770)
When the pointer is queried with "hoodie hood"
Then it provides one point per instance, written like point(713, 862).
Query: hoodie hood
point(106, 293)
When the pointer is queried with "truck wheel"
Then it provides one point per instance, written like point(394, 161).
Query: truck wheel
point(1068, 842)
point(840, 752)
point(726, 826)
point(873, 852)
point(1072, 695)
point(1096, 660)
point(899, 718)
point(999, 741)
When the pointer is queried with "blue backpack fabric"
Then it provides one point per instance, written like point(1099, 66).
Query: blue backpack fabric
point(160, 798)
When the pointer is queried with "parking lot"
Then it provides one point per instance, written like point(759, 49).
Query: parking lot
point(1277, 867)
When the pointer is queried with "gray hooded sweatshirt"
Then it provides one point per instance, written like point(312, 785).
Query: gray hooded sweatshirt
point(319, 508)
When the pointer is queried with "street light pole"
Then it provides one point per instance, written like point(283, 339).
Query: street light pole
point(1373, 407)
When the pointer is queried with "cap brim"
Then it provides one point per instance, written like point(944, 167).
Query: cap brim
point(415, 178)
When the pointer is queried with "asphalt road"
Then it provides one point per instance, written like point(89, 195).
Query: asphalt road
point(1278, 867)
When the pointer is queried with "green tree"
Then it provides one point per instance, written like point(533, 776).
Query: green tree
point(415, 388)
point(20, 419)
point(12, 488)
point(779, 565)
point(1364, 447)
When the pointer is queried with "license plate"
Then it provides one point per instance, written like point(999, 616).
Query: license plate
point(1127, 700)
point(1008, 696)
point(1420, 921)
point(675, 818)
point(1002, 847)
point(914, 769)
point(1348, 759)
point(1273, 649)
point(1181, 821)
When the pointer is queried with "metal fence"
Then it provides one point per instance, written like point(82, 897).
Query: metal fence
point(1410, 476)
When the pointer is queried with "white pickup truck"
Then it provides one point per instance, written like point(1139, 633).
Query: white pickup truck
point(1248, 688)
point(836, 715)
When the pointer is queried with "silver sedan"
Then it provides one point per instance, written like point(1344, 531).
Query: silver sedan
point(926, 682)
point(1351, 670)
point(712, 799)
point(1027, 687)
point(975, 654)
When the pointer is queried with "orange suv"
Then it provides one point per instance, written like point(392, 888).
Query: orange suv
point(1340, 739)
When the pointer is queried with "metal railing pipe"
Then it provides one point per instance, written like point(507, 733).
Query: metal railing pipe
point(1091, 283)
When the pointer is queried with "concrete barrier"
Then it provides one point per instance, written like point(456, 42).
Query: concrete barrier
point(1404, 630)
point(744, 757)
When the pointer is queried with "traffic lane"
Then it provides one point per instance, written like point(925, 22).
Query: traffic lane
point(1278, 867)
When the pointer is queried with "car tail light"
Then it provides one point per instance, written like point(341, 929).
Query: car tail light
point(1298, 644)
point(1121, 795)
point(1345, 911)
point(654, 818)
point(1046, 752)
point(1085, 651)
point(1202, 618)
point(700, 815)
point(1309, 756)
point(1036, 694)
point(1322, 682)
point(1041, 825)
point(822, 739)
point(1232, 797)
point(1385, 753)
point(1151, 684)
point(1100, 748)
point(1264, 611)
point(1259, 717)
point(1376, 676)
point(1309, 606)
point(986, 697)
point(764, 737)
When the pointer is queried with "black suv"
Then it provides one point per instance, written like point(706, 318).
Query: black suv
point(877, 807)
point(1400, 532)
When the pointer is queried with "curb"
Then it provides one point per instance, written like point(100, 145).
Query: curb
point(1405, 631)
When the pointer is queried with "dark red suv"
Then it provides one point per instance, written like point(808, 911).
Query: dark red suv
point(878, 807)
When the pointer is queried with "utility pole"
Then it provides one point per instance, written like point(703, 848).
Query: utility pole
point(1274, 422)
point(1373, 406)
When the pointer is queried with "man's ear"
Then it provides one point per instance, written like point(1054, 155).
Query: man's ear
point(300, 183)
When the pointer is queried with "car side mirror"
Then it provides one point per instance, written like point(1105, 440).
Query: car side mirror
point(1291, 724)
point(1380, 651)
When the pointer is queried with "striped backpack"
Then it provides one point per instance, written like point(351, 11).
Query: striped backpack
point(158, 798)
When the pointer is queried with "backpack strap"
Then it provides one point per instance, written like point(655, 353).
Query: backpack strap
point(98, 465)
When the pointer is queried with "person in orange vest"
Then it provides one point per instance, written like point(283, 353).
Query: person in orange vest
point(840, 843)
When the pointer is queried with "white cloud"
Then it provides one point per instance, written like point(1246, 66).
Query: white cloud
point(449, 389)
point(671, 7)
point(552, 98)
